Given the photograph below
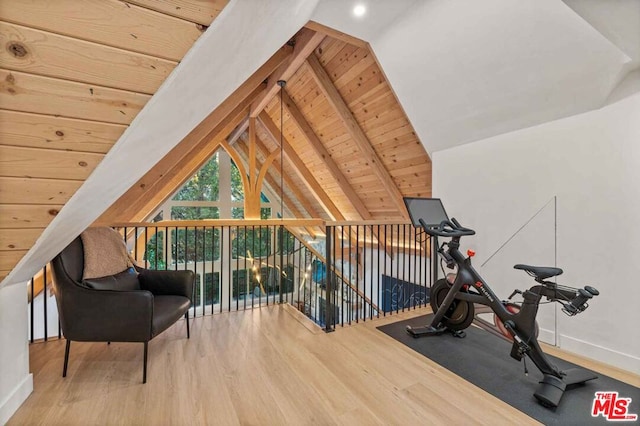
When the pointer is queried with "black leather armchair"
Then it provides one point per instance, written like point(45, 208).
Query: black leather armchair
point(100, 311)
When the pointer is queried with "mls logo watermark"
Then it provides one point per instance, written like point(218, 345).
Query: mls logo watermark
point(612, 407)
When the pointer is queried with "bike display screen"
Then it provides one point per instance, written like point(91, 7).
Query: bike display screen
point(430, 210)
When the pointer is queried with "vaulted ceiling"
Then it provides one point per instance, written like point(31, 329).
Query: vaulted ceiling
point(350, 152)
point(365, 99)
point(70, 89)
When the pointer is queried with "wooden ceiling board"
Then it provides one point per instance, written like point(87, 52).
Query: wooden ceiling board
point(376, 114)
point(110, 22)
point(339, 60)
point(47, 163)
point(45, 131)
point(328, 49)
point(74, 75)
point(36, 191)
point(19, 239)
point(344, 196)
point(321, 151)
point(392, 130)
point(363, 70)
point(27, 216)
point(381, 132)
point(350, 67)
point(9, 258)
point(202, 12)
point(29, 93)
point(47, 54)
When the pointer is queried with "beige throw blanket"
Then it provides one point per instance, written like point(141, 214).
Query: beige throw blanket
point(104, 253)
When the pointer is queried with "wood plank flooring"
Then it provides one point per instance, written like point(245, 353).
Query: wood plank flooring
point(267, 366)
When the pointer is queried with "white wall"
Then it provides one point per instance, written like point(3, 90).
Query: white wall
point(15, 381)
point(591, 164)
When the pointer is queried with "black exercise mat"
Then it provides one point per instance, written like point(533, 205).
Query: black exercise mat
point(483, 359)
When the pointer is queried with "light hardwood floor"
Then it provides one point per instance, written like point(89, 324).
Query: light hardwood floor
point(267, 366)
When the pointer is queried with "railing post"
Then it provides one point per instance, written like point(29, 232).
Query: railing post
point(281, 248)
point(328, 300)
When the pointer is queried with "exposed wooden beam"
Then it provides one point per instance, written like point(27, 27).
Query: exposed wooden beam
point(357, 134)
point(187, 166)
point(333, 168)
point(301, 168)
point(305, 43)
point(255, 174)
point(302, 198)
point(202, 133)
point(275, 187)
point(338, 35)
point(238, 131)
point(322, 152)
point(252, 161)
point(242, 170)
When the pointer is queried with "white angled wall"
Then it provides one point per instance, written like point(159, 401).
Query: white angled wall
point(582, 176)
point(15, 381)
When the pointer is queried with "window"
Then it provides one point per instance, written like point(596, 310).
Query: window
point(214, 192)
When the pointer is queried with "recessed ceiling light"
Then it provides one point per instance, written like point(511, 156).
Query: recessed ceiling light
point(359, 10)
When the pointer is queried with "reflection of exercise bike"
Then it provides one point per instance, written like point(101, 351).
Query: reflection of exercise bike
point(453, 303)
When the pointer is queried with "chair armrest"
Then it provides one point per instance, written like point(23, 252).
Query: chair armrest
point(170, 283)
point(108, 315)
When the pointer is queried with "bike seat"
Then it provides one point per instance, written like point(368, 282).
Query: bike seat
point(540, 272)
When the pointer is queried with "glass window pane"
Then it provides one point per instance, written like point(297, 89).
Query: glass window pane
point(237, 190)
point(194, 213)
point(237, 213)
point(203, 186)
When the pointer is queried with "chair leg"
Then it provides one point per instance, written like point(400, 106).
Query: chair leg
point(144, 366)
point(66, 358)
point(186, 316)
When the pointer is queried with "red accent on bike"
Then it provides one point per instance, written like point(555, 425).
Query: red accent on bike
point(471, 253)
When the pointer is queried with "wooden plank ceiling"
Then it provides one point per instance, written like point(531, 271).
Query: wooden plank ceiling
point(73, 74)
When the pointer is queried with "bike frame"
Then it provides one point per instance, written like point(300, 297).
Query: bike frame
point(521, 324)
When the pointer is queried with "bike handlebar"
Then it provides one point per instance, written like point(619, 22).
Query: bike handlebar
point(447, 228)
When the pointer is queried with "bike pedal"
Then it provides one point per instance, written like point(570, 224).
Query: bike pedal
point(460, 334)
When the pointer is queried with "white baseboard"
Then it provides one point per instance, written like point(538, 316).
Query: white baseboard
point(547, 336)
point(15, 399)
point(608, 356)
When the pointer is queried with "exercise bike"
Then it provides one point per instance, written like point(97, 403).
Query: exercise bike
point(454, 310)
